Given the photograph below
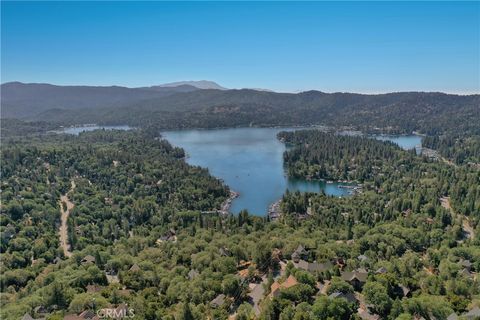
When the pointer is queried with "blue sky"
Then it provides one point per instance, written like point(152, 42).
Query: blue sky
point(285, 46)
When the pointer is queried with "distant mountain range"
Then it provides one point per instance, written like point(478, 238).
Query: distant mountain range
point(202, 84)
point(206, 104)
point(26, 100)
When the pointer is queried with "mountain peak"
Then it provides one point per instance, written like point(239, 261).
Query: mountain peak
point(201, 84)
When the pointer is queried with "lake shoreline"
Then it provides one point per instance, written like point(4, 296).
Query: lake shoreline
point(250, 161)
point(227, 204)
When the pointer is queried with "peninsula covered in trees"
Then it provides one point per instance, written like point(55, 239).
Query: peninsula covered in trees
point(333, 173)
point(146, 233)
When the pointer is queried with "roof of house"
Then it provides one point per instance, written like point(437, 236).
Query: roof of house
point(452, 316)
point(218, 301)
point(88, 314)
point(465, 263)
point(362, 257)
point(243, 273)
point(314, 266)
point(85, 315)
point(134, 268)
point(405, 289)
point(300, 250)
point(302, 264)
point(276, 286)
point(466, 273)
point(350, 276)
point(290, 282)
point(472, 314)
point(88, 259)
point(26, 316)
point(350, 297)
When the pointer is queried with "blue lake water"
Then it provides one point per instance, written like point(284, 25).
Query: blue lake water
point(405, 142)
point(250, 161)
point(79, 129)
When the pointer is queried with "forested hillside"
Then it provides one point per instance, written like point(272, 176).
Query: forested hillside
point(144, 234)
point(187, 107)
point(26, 100)
point(460, 148)
point(406, 180)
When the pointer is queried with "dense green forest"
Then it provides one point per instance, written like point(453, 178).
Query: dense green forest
point(145, 231)
point(460, 149)
point(383, 168)
point(329, 156)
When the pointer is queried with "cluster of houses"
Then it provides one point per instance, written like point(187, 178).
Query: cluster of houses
point(247, 271)
point(112, 277)
point(41, 313)
point(356, 278)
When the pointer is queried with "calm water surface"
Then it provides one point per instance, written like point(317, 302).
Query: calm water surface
point(80, 129)
point(250, 161)
point(405, 142)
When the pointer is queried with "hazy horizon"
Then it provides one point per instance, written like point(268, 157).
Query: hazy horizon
point(242, 88)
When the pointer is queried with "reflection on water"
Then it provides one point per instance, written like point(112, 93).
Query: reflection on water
point(80, 129)
point(250, 161)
